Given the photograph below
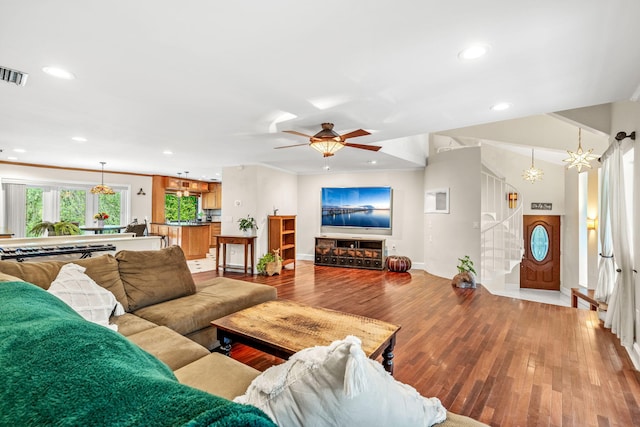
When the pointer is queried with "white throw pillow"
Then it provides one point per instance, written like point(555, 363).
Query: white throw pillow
point(338, 385)
point(90, 300)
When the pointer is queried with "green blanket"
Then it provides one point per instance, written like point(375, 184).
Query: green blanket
point(58, 369)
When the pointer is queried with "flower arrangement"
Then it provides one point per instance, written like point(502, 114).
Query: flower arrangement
point(101, 216)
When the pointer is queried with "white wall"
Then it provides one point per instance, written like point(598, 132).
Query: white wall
point(255, 191)
point(140, 205)
point(407, 227)
point(451, 236)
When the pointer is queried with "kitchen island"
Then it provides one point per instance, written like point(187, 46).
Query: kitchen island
point(194, 238)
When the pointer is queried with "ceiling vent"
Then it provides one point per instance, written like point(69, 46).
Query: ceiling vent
point(13, 76)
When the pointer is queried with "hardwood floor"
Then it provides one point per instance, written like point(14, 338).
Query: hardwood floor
point(502, 361)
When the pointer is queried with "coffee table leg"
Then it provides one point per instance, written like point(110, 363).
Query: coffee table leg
point(387, 356)
point(225, 346)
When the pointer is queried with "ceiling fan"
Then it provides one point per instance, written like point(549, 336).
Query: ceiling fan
point(327, 141)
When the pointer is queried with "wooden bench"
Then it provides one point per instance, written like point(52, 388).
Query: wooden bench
point(589, 296)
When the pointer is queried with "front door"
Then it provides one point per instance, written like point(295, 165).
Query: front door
point(540, 266)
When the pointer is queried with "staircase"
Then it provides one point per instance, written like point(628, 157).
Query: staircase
point(501, 237)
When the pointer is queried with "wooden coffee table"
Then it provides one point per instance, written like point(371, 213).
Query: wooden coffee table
point(282, 328)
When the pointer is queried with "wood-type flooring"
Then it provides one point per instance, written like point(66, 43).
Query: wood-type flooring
point(503, 361)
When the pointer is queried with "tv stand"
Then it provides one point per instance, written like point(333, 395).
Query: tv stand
point(350, 252)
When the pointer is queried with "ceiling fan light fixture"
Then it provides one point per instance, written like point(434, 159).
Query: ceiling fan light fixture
point(101, 188)
point(327, 147)
point(327, 132)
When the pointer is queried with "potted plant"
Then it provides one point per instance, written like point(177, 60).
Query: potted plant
point(61, 228)
point(270, 263)
point(466, 277)
point(247, 225)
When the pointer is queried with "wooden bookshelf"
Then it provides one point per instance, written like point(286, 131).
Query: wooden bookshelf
point(282, 235)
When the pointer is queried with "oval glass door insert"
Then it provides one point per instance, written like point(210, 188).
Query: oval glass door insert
point(539, 243)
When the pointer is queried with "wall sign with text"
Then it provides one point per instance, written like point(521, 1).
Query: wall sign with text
point(541, 206)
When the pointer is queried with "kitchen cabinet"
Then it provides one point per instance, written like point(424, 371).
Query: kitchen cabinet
point(169, 184)
point(213, 199)
point(282, 235)
point(215, 229)
point(194, 239)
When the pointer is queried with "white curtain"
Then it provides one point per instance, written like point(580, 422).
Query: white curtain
point(620, 314)
point(15, 203)
point(606, 268)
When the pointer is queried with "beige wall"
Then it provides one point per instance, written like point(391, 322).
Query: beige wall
point(451, 236)
point(255, 191)
point(407, 226)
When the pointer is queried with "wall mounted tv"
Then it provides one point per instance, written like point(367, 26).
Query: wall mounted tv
point(357, 209)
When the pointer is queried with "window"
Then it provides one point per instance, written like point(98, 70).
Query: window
point(180, 208)
point(71, 203)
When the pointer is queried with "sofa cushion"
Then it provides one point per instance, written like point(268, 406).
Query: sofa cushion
point(338, 385)
point(38, 273)
point(85, 296)
point(9, 278)
point(218, 374)
point(169, 346)
point(102, 269)
point(193, 312)
point(129, 324)
point(151, 277)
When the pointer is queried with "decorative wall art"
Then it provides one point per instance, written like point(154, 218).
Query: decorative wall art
point(436, 201)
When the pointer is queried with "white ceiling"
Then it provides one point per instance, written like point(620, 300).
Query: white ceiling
point(209, 80)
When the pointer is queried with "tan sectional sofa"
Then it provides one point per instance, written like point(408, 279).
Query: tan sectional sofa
point(165, 314)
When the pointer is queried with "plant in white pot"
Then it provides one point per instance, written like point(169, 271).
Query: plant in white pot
point(466, 277)
point(247, 225)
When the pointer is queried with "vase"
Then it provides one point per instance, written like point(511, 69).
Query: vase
point(248, 232)
point(101, 223)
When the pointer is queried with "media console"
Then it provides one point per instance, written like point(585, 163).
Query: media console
point(351, 252)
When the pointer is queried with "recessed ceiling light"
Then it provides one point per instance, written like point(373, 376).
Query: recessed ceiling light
point(19, 150)
point(372, 162)
point(79, 139)
point(474, 51)
point(59, 73)
point(501, 106)
point(12, 158)
point(167, 152)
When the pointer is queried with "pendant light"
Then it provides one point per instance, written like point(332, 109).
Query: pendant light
point(579, 159)
point(532, 174)
point(101, 188)
point(182, 193)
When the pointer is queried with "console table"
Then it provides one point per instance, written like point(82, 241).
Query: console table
point(247, 241)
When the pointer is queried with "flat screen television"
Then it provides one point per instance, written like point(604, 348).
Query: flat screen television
point(357, 209)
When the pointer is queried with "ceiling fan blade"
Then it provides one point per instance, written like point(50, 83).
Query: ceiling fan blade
point(289, 146)
point(359, 132)
point(297, 133)
point(363, 147)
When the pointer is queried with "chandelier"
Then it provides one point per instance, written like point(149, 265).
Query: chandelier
point(579, 159)
point(532, 174)
point(101, 188)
